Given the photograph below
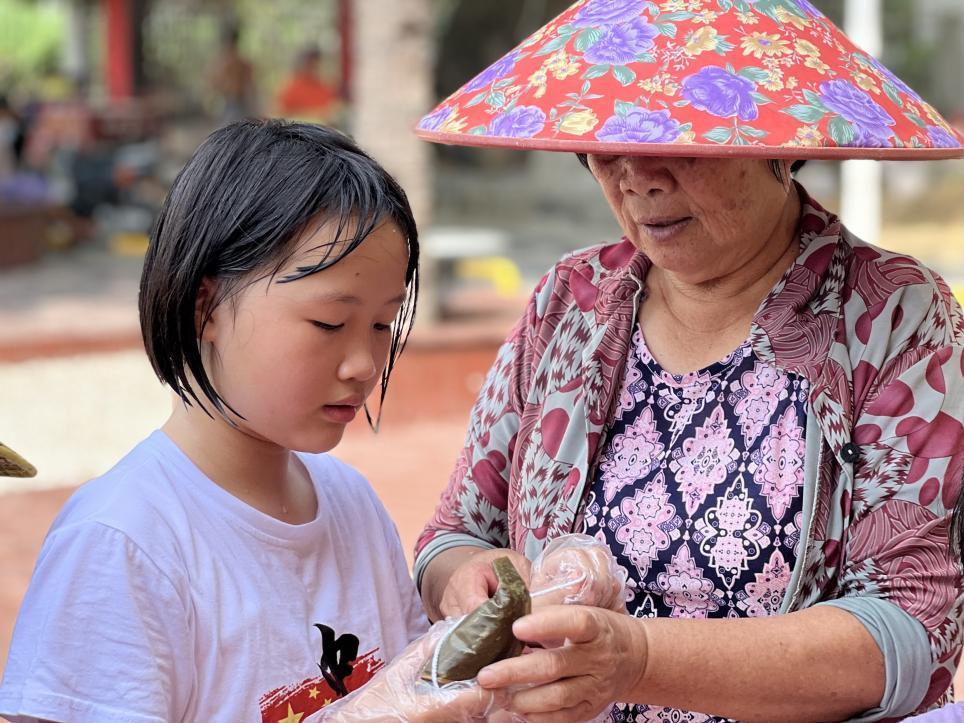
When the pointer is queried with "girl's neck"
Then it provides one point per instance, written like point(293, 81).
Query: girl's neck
point(258, 472)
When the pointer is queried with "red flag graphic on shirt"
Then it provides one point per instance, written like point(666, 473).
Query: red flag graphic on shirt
point(294, 703)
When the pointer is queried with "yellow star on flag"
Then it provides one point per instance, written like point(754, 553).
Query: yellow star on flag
point(313, 693)
point(292, 717)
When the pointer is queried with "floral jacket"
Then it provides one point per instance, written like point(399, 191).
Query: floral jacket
point(881, 341)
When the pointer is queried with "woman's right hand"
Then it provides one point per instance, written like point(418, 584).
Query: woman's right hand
point(473, 581)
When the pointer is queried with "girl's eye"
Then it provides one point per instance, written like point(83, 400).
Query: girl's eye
point(327, 327)
point(383, 327)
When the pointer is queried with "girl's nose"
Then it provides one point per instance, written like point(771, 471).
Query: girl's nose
point(359, 363)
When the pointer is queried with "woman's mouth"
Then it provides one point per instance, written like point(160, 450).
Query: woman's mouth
point(664, 229)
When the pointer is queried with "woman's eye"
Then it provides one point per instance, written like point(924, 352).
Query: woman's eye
point(383, 327)
point(327, 327)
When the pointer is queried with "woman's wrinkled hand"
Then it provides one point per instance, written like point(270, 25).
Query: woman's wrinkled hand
point(603, 660)
point(474, 581)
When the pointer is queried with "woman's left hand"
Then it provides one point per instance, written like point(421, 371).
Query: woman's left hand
point(602, 661)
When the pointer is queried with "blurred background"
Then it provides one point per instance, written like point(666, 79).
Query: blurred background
point(102, 102)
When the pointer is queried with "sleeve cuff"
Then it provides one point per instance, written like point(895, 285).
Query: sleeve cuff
point(906, 650)
point(440, 543)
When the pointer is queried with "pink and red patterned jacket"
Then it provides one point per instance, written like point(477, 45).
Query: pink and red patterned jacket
point(879, 337)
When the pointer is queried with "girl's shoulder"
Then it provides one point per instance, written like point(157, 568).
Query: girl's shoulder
point(139, 485)
point(142, 499)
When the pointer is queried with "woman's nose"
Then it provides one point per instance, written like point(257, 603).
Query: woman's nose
point(644, 176)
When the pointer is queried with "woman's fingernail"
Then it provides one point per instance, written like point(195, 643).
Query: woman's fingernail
point(486, 677)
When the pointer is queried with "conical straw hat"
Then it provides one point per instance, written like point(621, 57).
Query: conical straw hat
point(765, 78)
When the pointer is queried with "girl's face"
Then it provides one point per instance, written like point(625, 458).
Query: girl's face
point(297, 360)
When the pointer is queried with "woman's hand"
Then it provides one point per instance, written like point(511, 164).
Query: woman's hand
point(602, 661)
point(397, 693)
point(473, 581)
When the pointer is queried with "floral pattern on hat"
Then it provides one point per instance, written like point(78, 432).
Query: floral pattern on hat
point(758, 77)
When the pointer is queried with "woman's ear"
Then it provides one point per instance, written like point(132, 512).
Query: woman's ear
point(204, 325)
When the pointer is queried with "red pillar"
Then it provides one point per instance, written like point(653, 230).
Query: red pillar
point(345, 32)
point(119, 59)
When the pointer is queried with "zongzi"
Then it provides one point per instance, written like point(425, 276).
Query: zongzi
point(485, 635)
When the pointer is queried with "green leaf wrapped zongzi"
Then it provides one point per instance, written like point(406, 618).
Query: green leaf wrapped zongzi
point(485, 635)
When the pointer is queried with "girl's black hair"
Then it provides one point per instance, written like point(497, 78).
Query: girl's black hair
point(234, 214)
point(794, 167)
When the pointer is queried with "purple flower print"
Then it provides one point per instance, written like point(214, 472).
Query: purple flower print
point(620, 44)
point(940, 138)
point(498, 69)
point(434, 121)
point(607, 12)
point(870, 121)
point(721, 93)
point(524, 121)
point(640, 126)
point(809, 9)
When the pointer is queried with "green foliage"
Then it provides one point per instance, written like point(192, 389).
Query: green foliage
point(31, 35)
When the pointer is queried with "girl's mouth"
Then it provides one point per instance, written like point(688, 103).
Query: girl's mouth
point(339, 413)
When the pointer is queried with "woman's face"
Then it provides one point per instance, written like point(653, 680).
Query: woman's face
point(297, 360)
point(699, 218)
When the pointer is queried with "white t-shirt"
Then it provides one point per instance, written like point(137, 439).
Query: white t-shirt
point(160, 597)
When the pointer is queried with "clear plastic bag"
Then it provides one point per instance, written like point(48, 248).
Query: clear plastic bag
point(578, 570)
point(397, 693)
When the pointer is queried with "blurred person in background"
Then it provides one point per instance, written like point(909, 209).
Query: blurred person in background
point(18, 186)
point(11, 138)
point(759, 413)
point(305, 94)
point(231, 79)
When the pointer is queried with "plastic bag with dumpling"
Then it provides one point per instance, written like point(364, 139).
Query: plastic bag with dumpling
point(398, 694)
point(434, 679)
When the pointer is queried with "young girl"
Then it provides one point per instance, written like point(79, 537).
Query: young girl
point(226, 569)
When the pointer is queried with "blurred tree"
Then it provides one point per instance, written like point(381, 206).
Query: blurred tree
point(31, 34)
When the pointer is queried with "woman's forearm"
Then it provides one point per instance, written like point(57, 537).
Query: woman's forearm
point(819, 664)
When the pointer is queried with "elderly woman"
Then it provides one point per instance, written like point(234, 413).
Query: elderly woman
point(759, 413)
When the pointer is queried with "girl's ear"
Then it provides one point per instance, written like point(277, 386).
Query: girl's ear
point(204, 327)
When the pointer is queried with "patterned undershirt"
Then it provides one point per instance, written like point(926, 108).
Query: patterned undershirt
point(698, 492)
